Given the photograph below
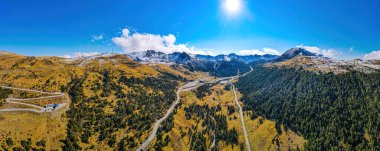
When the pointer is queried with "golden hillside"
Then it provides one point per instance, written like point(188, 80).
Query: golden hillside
point(102, 89)
point(114, 102)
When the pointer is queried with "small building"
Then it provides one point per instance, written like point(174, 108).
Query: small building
point(51, 106)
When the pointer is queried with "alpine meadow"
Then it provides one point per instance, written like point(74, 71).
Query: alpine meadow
point(180, 75)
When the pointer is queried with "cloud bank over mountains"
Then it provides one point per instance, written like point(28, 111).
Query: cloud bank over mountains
point(264, 51)
point(135, 42)
point(330, 53)
point(374, 55)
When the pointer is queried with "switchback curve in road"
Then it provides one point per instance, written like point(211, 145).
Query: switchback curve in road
point(41, 109)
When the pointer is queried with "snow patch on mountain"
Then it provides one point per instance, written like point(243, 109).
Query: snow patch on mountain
point(183, 57)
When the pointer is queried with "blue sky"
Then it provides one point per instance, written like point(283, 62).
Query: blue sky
point(350, 28)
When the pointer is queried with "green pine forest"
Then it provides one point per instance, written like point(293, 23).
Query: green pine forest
point(333, 112)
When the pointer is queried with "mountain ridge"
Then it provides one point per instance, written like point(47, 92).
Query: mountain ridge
point(183, 57)
point(230, 64)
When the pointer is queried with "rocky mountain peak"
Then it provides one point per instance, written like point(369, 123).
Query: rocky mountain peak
point(291, 53)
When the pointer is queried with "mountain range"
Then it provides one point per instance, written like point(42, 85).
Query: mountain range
point(231, 64)
point(152, 56)
point(179, 101)
point(220, 65)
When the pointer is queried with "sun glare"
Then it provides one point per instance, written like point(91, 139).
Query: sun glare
point(232, 6)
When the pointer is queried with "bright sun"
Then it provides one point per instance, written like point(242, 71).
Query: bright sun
point(232, 6)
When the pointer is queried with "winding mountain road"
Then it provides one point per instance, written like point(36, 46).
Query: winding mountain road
point(21, 110)
point(41, 109)
point(158, 122)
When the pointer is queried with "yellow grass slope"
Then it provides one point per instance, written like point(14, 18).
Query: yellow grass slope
point(19, 126)
point(51, 74)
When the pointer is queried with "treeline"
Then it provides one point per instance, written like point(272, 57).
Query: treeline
point(333, 112)
point(137, 104)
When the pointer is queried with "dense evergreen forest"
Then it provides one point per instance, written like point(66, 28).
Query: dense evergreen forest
point(135, 111)
point(333, 112)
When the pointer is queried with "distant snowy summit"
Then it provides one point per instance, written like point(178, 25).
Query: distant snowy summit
point(292, 58)
point(244, 58)
point(152, 56)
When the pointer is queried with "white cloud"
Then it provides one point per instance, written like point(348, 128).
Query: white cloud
point(259, 52)
point(271, 51)
point(125, 32)
point(330, 53)
point(135, 42)
point(312, 49)
point(80, 54)
point(97, 37)
point(374, 55)
point(250, 52)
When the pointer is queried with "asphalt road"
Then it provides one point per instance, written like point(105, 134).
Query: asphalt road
point(19, 101)
point(158, 122)
point(248, 146)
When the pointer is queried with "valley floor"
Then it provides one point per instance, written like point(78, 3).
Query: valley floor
point(196, 123)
